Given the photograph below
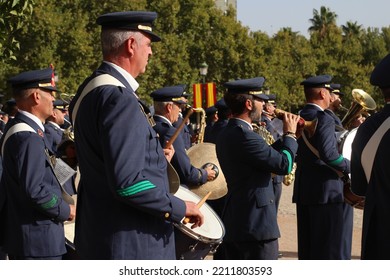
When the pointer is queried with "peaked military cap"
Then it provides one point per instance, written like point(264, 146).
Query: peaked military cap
point(60, 104)
point(172, 93)
point(380, 76)
point(336, 89)
point(322, 81)
point(130, 20)
point(10, 102)
point(34, 79)
point(250, 86)
point(185, 94)
point(211, 110)
point(271, 98)
point(221, 104)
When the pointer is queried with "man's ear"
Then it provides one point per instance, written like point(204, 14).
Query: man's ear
point(323, 93)
point(168, 107)
point(36, 96)
point(249, 104)
point(130, 45)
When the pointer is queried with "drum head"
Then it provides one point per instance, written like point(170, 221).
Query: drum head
point(347, 144)
point(212, 228)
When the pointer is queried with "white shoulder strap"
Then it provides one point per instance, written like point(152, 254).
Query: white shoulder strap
point(317, 154)
point(98, 81)
point(369, 151)
point(14, 129)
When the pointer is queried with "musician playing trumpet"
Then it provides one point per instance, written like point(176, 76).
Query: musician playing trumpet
point(318, 188)
point(336, 106)
point(247, 161)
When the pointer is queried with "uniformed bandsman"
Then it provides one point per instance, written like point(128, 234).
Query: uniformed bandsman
point(167, 106)
point(35, 210)
point(223, 113)
point(318, 187)
point(211, 118)
point(125, 210)
point(370, 176)
point(53, 128)
point(332, 110)
point(247, 161)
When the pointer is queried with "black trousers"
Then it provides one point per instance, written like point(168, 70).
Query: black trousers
point(320, 231)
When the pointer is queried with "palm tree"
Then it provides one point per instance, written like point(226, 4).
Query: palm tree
point(322, 20)
point(351, 29)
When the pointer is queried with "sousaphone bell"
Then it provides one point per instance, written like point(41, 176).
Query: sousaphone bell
point(202, 155)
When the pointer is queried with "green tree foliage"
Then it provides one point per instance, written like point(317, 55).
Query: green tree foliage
point(64, 33)
point(322, 21)
point(12, 15)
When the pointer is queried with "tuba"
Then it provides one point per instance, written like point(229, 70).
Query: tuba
point(362, 102)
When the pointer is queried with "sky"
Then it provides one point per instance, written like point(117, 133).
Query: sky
point(271, 15)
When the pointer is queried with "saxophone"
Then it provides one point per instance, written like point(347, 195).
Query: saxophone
point(264, 133)
point(269, 139)
point(289, 178)
point(201, 124)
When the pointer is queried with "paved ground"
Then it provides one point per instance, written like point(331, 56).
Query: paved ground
point(288, 227)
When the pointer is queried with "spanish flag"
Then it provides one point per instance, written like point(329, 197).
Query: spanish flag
point(205, 95)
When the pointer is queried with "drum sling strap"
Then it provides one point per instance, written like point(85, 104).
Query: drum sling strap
point(107, 79)
point(370, 150)
point(101, 80)
point(20, 127)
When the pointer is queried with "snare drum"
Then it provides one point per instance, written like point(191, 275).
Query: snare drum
point(197, 243)
point(346, 150)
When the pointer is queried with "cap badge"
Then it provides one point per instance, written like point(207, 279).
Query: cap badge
point(144, 27)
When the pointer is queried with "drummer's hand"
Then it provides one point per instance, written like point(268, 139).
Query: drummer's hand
point(169, 152)
point(210, 172)
point(193, 212)
point(72, 214)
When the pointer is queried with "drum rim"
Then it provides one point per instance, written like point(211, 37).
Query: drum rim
point(199, 237)
point(184, 229)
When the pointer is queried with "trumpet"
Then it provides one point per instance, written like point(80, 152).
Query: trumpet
point(308, 126)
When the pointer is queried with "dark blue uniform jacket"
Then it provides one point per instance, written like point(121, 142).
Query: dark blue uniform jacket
point(124, 208)
point(247, 162)
point(35, 211)
point(188, 174)
point(376, 229)
point(53, 135)
point(315, 182)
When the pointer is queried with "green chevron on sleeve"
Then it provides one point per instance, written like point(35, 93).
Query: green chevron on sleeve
point(136, 188)
point(289, 158)
point(337, 161)
point(50, 203)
